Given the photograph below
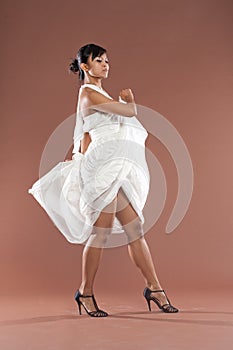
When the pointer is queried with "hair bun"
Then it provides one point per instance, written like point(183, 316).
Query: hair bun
point(74, 67)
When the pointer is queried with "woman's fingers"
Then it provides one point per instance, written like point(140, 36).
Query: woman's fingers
point(127, 95)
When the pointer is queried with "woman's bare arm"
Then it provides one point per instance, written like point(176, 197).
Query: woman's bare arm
point(97, 101)
point(85, 142)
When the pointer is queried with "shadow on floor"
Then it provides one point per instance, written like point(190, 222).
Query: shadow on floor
point(155, 316)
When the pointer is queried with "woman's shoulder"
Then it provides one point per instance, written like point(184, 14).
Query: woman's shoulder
point(84, 102)
point(89, 90)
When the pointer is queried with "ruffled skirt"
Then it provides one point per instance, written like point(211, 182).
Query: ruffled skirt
point(73, 193)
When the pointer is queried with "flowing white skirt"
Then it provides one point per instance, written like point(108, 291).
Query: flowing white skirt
point(73, 193)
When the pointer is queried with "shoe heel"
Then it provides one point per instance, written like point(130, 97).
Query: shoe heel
point(148, 302)
point(77, 294)
point(79, 307)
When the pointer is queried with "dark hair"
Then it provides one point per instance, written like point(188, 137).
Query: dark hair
point(83, 53)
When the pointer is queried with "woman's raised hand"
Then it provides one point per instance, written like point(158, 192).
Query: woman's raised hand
point(127, 95)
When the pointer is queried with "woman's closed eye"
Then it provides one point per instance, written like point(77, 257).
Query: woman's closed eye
point(99, 60)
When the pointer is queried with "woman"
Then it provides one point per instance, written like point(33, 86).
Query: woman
point(110, 194)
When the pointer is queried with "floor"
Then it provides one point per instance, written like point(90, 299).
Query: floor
point(205, 322)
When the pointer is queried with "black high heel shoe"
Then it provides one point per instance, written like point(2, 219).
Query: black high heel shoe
point(95, 313)
point(147, 294)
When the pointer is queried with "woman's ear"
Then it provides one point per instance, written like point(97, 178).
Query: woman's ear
point(84, 66)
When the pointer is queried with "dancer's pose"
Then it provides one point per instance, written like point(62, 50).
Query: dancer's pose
point(111, 191)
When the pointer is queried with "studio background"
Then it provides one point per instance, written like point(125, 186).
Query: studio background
point(177, 63)
point(176, 56)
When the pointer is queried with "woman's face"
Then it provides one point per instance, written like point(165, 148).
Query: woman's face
point(99, 67)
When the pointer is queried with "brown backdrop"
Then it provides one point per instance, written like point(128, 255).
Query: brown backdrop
point(176, 57)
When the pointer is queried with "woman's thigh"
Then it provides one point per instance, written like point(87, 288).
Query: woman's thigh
point(125, 212)
point(107, 215)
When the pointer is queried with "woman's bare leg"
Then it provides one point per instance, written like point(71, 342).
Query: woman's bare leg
point(93, 251)
point(137, 247)
point(140, 254)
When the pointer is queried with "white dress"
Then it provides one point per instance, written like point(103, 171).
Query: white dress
point(74, 192)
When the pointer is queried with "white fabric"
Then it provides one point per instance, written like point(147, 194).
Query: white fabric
point(74, 192)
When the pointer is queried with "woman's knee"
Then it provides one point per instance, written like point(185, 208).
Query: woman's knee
point(102, 228)
point(134, 230)
point(99, 237)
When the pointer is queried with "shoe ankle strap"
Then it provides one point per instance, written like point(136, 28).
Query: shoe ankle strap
point(86, 296)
